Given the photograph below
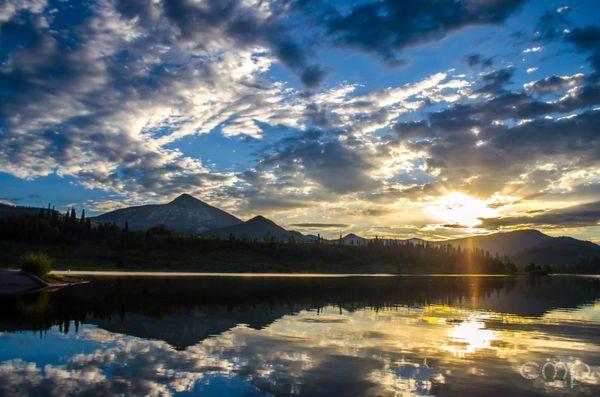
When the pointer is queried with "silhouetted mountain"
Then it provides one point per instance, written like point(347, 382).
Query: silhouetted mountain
point(558, 251)
point(12, 210)
point(185, 214)
point(525, 246)
point(522, 246)
point(353, 239)
point(258, 228)
point(507, 243)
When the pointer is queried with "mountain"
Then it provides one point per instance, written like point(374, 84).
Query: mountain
point(525, 246)
point(353, 239)
point(258, 228)
point(522, 246)
point(11, 210)
point(185, 214)
point(558, 251)
point(507, 243)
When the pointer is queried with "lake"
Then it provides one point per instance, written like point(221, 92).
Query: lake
point(306, 336)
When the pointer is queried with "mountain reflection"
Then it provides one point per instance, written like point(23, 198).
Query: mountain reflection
point(351, 336)
point(184, 311)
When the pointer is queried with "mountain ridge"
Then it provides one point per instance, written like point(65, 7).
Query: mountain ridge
point(522, 246)
point(189, 215)
point(257, 228)
point(185, 214)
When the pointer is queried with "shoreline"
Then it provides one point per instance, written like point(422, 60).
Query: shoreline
point(15, 281)
point(256, 275)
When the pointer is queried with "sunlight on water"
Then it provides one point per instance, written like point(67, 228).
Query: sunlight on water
point(469, 336)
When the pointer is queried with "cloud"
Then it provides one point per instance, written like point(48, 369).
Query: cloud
point(105, 98)
point(507, 143)
point(554, 83)
point(7, 201)
point(586, 40)
point(320, 225)
point(478, 60)
point(532, 49)
point(10, 8)
point(387, 27)
point(336, 153)
point(575, 216)
point(102, 98)
point(494, 82)
point(335, 165)
point(551, 25)
point(246, 25)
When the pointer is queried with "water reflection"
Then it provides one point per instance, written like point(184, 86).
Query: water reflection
point(398, 336)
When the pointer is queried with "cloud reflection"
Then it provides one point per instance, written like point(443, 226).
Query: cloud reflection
point(394, 351)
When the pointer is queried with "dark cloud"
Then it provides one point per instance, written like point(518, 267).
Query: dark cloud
point(551, 25)
point(587, 40)
point(320, 225)
point(247, 27)
point(553, 83)
point(494, 82)
point(479, 60)
point(337, 166)
point(472, 151)
point(577, 216)
point(388, 26)
point(454, 226)
point(514, 105)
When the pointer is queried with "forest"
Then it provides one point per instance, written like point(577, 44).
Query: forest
point(78, 243)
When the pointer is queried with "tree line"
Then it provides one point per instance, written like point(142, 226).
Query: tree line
point(49, 227)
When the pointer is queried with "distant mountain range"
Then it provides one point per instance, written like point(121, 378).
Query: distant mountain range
point(185, 214)
point(191, 216)
point(258, 228)
point(525, 246)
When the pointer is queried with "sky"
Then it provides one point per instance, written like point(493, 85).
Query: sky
point(420, 118)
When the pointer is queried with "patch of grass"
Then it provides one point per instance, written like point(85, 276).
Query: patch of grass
point(36, 263)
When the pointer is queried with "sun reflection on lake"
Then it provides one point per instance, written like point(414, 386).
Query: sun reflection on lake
point(468, 337)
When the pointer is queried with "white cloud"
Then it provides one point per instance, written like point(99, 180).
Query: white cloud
point(532, 49)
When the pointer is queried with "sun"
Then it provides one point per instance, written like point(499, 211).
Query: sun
point(460, 209)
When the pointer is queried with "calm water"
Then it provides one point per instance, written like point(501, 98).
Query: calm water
point(380, 336)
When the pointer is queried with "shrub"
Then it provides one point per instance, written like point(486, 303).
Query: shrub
point(38, 264)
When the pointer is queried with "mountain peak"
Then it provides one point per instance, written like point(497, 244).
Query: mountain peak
point(186, 199)
point(259, 219)
point(352, 235)
point(185, 214)
point(530, 232)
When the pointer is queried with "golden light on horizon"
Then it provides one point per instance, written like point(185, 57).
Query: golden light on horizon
point(460, 209)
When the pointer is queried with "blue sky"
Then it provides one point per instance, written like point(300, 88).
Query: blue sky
point(432, 118)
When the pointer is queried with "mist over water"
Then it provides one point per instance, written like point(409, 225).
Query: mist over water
point(373, 336)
